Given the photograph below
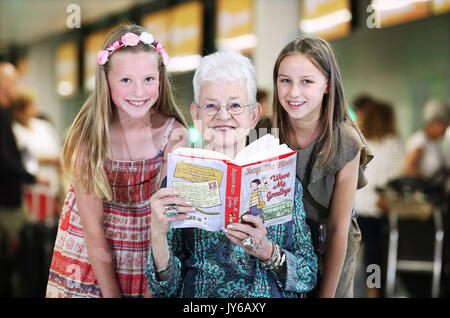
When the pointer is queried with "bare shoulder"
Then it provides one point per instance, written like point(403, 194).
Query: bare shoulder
point(180, 127)
point(158, 119)
point(179, 136)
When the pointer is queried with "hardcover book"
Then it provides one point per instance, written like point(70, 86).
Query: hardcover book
point(260, 180)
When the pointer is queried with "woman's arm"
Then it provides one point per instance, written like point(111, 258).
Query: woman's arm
point(299, 272)
point(412, 162)
point(164, 256)
point(338, 226)
point(90, 208)
point(50, 160)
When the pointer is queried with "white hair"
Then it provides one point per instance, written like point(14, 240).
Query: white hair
point(226, 66)
point(436, 109)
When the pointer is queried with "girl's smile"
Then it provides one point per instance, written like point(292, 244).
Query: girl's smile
point(138, 103)
point(295, 104)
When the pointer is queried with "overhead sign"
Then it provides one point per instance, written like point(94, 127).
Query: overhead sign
point(180, 30)
point(441, 6)
point(329, 19)
point(400, 11)
point(235, 25)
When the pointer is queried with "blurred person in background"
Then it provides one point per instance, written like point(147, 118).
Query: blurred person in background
point(40, 147)
point(446, 148)
point(13, 176)
point(377, 122)
point(426, 157)
point(424, 154)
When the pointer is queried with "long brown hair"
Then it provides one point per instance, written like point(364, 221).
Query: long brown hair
point(334, 108)
point(88, 141)
point(377, 120)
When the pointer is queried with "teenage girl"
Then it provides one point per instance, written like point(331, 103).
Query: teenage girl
point(311, 115)
point(115, 153)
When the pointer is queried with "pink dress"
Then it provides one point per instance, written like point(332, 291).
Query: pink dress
point(127, 229)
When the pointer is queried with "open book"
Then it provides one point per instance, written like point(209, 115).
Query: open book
point(260, 180)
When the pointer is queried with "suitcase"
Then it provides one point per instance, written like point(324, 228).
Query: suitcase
point(5, 267)
point(34, 258)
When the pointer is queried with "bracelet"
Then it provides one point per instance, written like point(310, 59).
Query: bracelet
point(273, 258)
point(276, 261)
point(159, 271)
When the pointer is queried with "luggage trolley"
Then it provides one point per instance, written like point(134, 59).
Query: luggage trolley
point(421, 200)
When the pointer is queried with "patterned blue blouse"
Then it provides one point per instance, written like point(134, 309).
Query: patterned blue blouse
point(207, 264)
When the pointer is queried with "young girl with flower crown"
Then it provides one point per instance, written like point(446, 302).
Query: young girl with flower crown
point(115, 153)
point(312, 117)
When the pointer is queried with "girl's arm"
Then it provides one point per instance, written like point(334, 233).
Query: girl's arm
point(179, 137)
point(160, 251)
point(300, 270)
point(338, 226)
point(90, 208)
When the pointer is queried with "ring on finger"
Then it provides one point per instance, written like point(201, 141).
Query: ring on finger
point(171, 209)
point(248, 242)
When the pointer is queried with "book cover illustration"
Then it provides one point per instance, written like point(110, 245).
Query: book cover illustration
point(223, 190)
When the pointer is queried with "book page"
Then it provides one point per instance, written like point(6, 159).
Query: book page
point(261, 149)
point(200, 153)
point(268, 190)
point(202, 182)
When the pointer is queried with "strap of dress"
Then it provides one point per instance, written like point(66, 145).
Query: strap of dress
point(167, 133)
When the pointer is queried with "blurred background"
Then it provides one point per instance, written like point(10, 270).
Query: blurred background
point(392, 54)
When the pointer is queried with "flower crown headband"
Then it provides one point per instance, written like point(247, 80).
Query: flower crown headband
point(131, 39)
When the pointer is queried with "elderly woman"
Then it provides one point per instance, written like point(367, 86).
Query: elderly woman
point(196, 263)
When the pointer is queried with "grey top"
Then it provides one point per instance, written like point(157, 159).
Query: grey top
point(318, 182)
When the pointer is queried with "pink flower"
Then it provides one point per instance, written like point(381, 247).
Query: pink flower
point(165, 57)
point(130, 39)
point(102, 57)
point(159, 47)
point(114, 46)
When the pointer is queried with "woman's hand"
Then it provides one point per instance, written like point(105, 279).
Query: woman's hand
point(160, 222)
point(236, 232)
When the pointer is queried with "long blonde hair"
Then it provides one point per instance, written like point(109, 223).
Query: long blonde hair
point(88, 140)
point(334, 108)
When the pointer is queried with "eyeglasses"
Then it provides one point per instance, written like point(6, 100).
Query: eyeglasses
point(232, 108)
